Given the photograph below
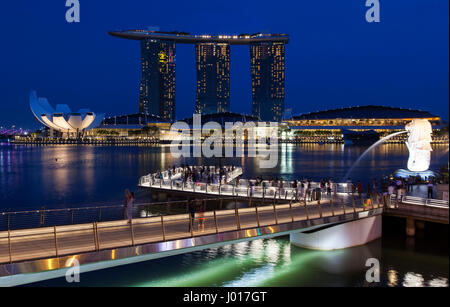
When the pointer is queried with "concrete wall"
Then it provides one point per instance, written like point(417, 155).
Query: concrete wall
point(344, 235)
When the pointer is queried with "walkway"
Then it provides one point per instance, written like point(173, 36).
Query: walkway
point(47, 242)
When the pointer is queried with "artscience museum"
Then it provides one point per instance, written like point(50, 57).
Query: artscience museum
point(61, 118)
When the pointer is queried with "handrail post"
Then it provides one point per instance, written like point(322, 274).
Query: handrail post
point(56, 240)
point(320, 208)
point(343, 204)
point(42, 212)
point(10, 247)
point(131, 232)
point(215, 221)
point(9, 218)
point(257, 215)
point(238, 221)
point(332, 207)
point(71, 218)
point(353, 204)
point(96, 242)
point(99, 214)
point(163, 230)
point(191, 223)
point(290, 209)
point(306, 210)
point(275, 213)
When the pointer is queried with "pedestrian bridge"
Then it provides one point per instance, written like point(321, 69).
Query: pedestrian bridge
point(229, 186)
point(40, 253)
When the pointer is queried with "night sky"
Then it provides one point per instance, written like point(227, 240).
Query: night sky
point(334, 58)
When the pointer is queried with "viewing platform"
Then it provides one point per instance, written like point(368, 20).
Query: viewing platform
point(230, 185)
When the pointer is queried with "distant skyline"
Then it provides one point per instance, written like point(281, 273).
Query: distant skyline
point(334, 58)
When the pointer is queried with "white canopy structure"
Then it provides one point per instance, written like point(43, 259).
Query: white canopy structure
point(62, 119)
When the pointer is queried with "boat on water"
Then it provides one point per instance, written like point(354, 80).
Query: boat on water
point(367, 137)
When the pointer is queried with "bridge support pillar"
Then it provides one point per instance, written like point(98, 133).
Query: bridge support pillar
point(354, 233)
point(410, 227)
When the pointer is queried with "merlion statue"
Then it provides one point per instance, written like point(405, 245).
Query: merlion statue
point(419, 144)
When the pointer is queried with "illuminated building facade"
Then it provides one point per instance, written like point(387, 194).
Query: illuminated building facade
point(360, 118)
point(213, 78)
point(268, 85)
point(157, 90)
point(330, 124)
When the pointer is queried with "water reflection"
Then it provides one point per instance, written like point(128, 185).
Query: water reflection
point(412, 279)
point(392, 278)
point(79, 175)
point(438, 282)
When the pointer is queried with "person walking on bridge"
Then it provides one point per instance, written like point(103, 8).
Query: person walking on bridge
point(430, 187)
point(129, 200)
point(191, 209)
point(359, 187)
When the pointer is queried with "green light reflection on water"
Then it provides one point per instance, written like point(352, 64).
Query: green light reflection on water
point(255, 263)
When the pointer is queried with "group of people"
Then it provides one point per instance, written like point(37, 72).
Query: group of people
point(401, 186)
point(206, 174)
point(303, 187)
point(196, 174)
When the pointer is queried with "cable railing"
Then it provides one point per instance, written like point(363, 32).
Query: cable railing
point(60, 240)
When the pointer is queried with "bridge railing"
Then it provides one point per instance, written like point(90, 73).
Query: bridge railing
point(395, 200)
point(60, 240)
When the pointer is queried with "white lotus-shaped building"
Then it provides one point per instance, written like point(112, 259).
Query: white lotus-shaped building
point(62, 119)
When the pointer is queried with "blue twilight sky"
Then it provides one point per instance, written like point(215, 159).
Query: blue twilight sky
point(334, 58)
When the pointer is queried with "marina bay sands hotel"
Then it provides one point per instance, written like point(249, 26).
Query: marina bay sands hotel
point(157, 89)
